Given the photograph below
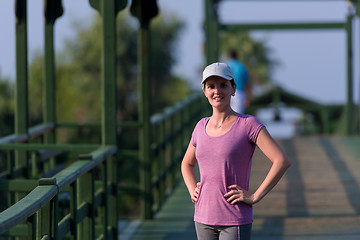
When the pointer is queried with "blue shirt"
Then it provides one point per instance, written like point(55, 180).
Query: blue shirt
point(240, 72)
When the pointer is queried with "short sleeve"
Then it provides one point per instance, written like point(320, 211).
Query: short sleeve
point(253, 127)
point(199, 128)
point(193, 138)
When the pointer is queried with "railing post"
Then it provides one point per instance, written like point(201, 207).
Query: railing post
point(110, 197)
point(34, 165)
point(144, 11)
point(108, 68)
point(211, 31)
point(21, 88)
point(112, 210)
point(105, 207)
point(349, 110)
point(52, 10)
point(144, 117)
point(86, 192)
point(31, 226)
point(162, 161)
point(108, 10)
point(47, 216)
point(157, 159)
point(73, 210)
point(172, 160)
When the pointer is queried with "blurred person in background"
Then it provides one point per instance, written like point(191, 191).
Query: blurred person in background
point(242, 80)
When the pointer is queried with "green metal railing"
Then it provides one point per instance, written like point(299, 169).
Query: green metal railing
point(171, 132)
point(82, 200)
point(91, 182)
point(39, 162)
point(39, 210)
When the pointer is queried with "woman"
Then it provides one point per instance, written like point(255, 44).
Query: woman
point(223, 145)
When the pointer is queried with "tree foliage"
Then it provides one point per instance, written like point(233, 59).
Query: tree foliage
point(6, 107)
point(78, 71)
point(166, 87)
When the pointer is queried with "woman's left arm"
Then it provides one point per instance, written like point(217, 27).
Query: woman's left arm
point(280, 163)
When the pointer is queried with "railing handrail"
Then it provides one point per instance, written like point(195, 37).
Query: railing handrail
point(26, 207)
point(169, 111)
point(42, 194)
point(50, 146)
point(33, 131)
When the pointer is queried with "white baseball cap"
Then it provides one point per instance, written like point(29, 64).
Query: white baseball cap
point(218, 69)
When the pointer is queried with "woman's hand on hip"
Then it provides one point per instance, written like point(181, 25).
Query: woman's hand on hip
point(195, 194)
point(237, 194)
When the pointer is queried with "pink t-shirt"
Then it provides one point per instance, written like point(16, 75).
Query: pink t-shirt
point(223, 161)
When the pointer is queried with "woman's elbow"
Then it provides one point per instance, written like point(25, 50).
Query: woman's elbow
point(282, 161)
point(286, 162)
point(186, 165)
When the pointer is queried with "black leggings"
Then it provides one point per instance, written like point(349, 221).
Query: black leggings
point(214, 232)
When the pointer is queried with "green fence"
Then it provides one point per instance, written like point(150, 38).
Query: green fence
point(81, 201)
point(171, 132)
point(89, 199)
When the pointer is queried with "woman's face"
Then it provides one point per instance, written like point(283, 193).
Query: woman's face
point(218, 91)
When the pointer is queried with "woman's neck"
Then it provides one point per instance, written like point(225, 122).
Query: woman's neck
point(220, 122)
point(220, 116)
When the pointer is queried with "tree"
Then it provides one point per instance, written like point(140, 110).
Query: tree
point(79, 71)
point(6, 116)
point(167, 88)
point(6, 107)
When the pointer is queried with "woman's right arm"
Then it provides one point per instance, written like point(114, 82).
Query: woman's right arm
point(188, 172)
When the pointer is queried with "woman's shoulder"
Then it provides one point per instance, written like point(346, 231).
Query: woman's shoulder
point(246, 116)
point(252, 126)
point(203, 121)
point(249, 119)
point(200, 126)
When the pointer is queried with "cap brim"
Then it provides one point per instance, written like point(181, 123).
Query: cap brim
point(222, 76)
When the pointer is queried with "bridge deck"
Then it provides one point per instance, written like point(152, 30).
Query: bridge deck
point(317, 199)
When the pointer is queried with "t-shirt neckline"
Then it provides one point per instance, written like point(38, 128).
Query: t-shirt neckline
point(207, 121)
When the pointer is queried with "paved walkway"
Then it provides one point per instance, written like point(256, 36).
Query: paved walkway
point(319, 197)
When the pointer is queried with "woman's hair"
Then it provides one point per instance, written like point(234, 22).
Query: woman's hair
point(232, 81)
point(233, 53)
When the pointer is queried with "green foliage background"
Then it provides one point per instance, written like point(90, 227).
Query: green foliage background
point(78, 71)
